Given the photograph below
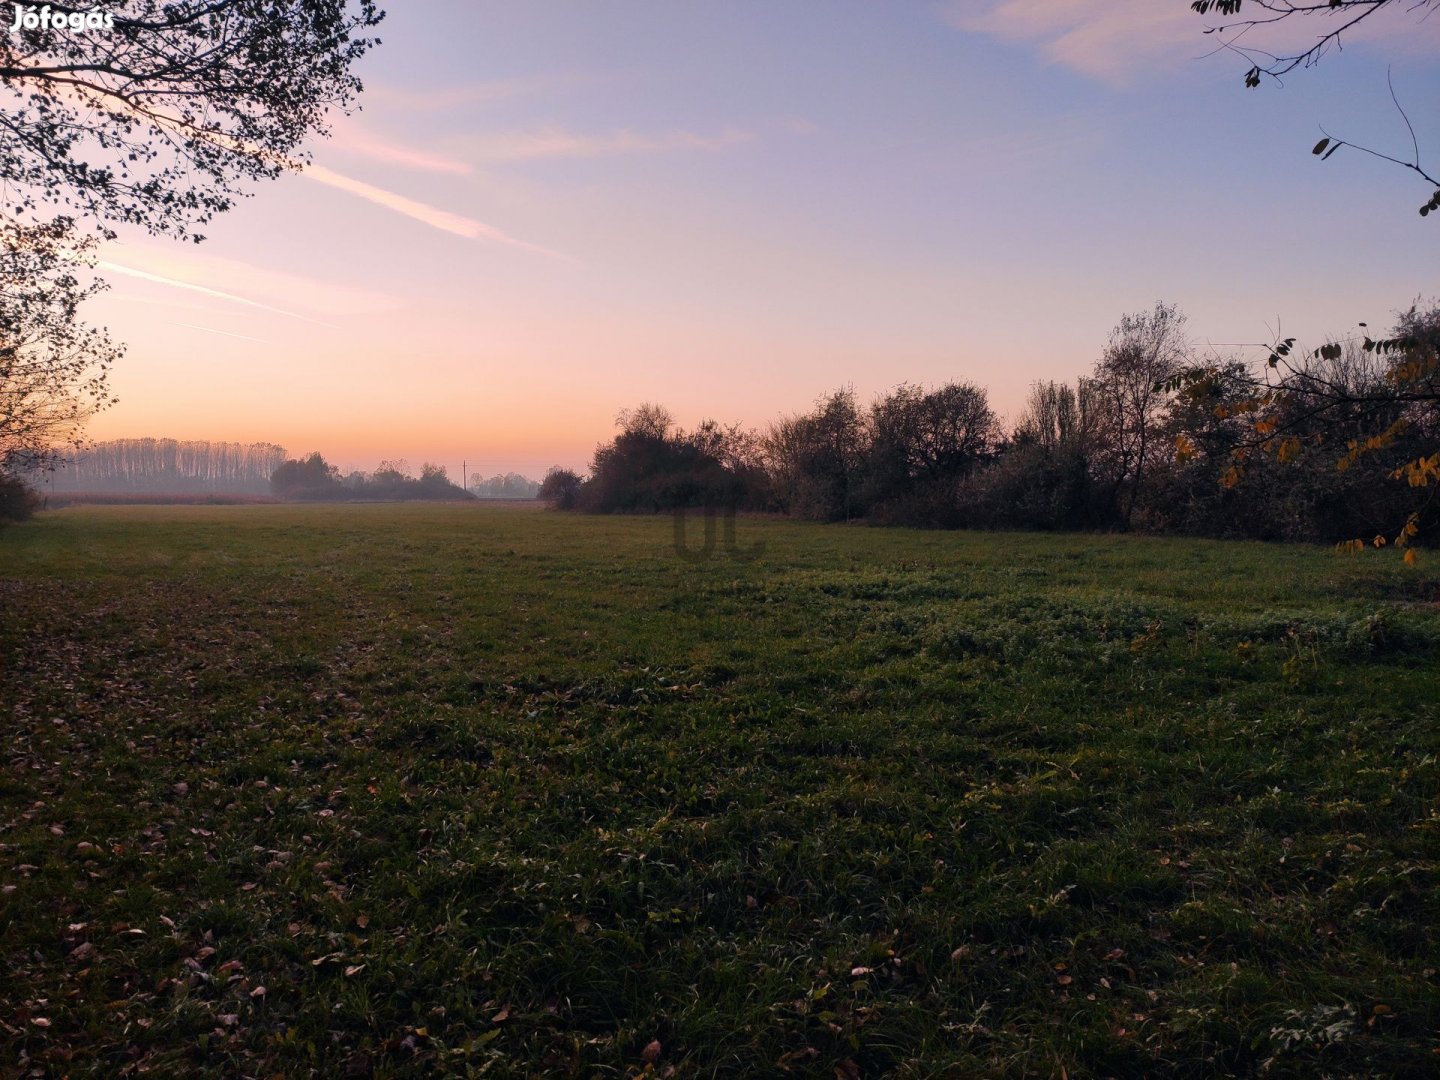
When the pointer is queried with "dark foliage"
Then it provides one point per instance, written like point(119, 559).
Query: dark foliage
point(156, 115)
point(313, 479)
point(1341, 443)
point(651, 466)
point(18, 501)
point(561, 488)
point(307, 478)
point(162, 118)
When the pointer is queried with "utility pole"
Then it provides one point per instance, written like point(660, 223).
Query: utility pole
point(465, 475)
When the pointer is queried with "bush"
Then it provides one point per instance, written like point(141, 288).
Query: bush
point(560, 488)
point(18, 501)
point(306, 479)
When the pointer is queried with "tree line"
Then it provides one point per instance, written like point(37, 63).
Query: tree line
point(189, 467)
point(505, 486)
point(1328, 446)
point(314, 479)
point(165, 465)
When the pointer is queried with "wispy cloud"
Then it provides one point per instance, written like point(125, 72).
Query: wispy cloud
point(492, 92)
point(233, 281)
point(353, 140)
point(556, 142)
point(1111, 41)
point(1106, 41)
point(222, 333)
point(458, 224)
point(205, 290)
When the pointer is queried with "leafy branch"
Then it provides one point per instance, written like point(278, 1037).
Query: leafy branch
point(1264, 64)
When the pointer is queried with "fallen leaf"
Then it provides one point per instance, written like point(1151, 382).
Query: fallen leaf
point(651, 1053)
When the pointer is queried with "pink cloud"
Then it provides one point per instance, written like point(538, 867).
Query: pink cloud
point(222, 333)
point(474, 95)
point(457, 224)
point(1112, 40)
point(1105, 41)
point(352, 140)
point(191, 286)
point(554, 142)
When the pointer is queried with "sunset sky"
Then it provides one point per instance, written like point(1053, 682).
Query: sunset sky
point(547, 212)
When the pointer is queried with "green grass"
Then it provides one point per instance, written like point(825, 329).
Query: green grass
point(479, 790)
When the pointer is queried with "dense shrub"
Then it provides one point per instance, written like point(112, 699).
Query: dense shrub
point(560, 488)
point(18, 501)
point(650, 466)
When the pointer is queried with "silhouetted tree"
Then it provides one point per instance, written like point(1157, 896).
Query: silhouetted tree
point(561, 488)
point(306, 478)
point(651, 466)
point(1332, 20)
point(54, 369)
point(1145, 351)
point(1043, 479)
point(160, 119)
point(1360, 419)
point(168, 465)
point(817, 459)
point(921, 444)
point(157, 120)
point(18, 501)
point(505, 486)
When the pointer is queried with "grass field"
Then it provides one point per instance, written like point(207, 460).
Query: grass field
point(426, 790)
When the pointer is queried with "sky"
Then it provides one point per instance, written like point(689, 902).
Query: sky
point(546, 212)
